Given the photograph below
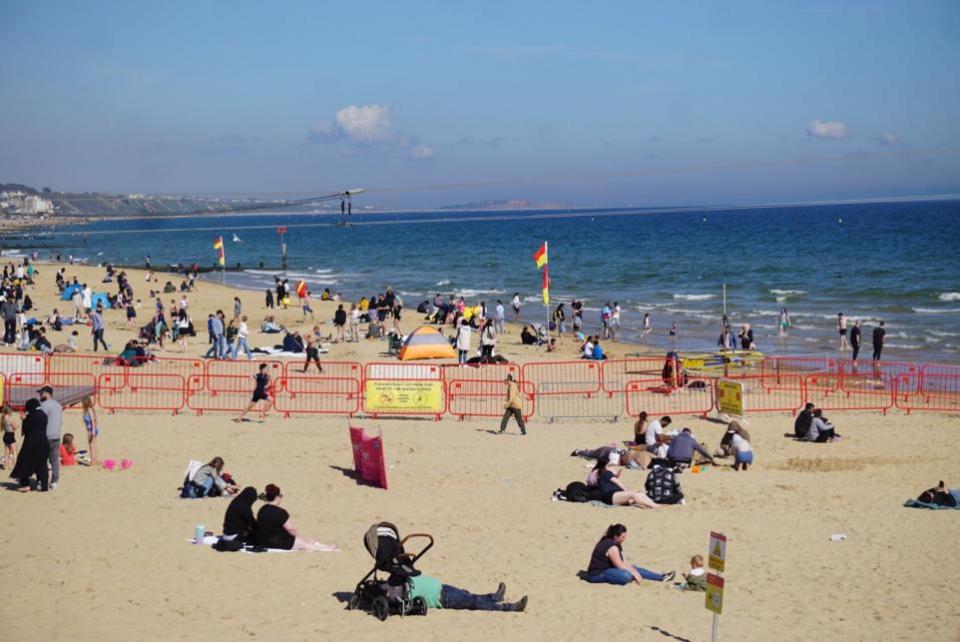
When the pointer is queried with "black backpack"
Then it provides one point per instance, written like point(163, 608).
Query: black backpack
point(228, 546)
point(577, 492)
point(662, 485)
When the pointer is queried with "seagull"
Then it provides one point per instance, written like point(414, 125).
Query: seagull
point(236, 239)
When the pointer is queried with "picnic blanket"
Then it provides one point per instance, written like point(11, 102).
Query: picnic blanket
point(210, 540)
point(916, 503)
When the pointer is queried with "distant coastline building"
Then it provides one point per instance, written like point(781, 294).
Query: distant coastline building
point(22, 203)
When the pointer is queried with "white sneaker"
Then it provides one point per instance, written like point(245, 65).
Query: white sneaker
point(53, 485)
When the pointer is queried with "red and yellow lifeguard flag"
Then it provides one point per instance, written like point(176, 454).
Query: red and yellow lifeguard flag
point(540, 256)
point(218, 245)
point(546, 285)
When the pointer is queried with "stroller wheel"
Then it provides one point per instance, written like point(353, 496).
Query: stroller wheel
point(381, 608)
point(419, 606)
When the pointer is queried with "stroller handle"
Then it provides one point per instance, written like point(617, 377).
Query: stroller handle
point(426, 548)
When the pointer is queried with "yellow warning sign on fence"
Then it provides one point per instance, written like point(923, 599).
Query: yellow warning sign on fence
point(409, 397)
point(730, 397)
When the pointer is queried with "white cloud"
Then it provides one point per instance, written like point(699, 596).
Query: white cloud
point(421, 152)
point(829, 129)
point(887, 139)
point(368, 125)
point(363, 124)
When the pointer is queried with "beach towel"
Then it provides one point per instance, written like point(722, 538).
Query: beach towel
point(210, 540)
point(916, 503)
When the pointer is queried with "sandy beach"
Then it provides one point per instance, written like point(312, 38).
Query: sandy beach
point(106, 556)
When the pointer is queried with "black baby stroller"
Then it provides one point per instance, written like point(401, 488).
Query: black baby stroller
point(391, 595)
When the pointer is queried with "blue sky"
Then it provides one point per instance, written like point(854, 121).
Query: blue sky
point(646, 103)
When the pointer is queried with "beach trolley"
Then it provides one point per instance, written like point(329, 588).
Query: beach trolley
point(389, 595)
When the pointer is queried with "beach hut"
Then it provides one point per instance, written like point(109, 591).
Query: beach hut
point(426, 343)
point(69, 290)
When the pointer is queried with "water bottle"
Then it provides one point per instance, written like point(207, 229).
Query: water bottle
point(198, 534)
point(838, 537)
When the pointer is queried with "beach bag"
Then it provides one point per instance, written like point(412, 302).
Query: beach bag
point(662, 485)
point(576, 492)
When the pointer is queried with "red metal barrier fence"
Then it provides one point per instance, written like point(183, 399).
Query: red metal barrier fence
point(773, 393)
point(928, 392)
point(655, 398)
point(551, 390)
point(142, 391)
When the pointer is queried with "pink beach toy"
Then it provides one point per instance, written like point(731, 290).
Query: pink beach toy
point(109, 464)
point(125, 464)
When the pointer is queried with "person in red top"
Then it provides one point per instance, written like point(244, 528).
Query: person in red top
point(68, 452)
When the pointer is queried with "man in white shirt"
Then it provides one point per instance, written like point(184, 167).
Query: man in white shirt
point(654, 437)
point(588, 348)
point(87, 295)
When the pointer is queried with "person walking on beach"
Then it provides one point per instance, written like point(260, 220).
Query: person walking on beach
point(605, 316)
point(269, 301)
point(8, 309)
point(313, 352)
point(878, 335)
point(96, 320)
point(674, 334)
point(647, 326)
point(243, 332)
point(54, 412)
point(842, 329)
point(855, 339)
point(262, 379)
point(516, 304)
point(499, 317)
point(237, 307)
point(77, 300)
point(513, 407)
point(215, 326)
point(577, 306)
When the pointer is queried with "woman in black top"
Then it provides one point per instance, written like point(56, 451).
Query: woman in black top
point(238, 522)
point(613, 491)
point(35, 449)
point(262, 379)
point(608, 566)
point(275, 530)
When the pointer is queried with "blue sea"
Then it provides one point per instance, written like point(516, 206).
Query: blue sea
point(899, 262)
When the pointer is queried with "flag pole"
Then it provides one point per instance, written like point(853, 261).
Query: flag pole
point(546, 305)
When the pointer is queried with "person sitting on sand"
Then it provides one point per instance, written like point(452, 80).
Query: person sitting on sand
point(696, 578)
point(608, 565)
point(270, 326)
point(614, 493)
point(586, 350)
point(208, 482)
point(274, 529)
point(68, 452)
point(527, 337)
point(238, 521)
point(821, 430)
point(654, 438)
point(801, 426)
point(292, 342)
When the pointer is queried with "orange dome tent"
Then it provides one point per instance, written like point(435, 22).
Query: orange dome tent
point(426, 343)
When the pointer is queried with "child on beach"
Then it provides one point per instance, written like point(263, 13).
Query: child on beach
point(9, 436)
point(92, 426)
point(742, 450)
point(68, 452)
point(696, 579)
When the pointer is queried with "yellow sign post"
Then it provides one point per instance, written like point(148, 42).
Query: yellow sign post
point(718, 562)
point(714, 594)
point(730, 397)
point(407, 397)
